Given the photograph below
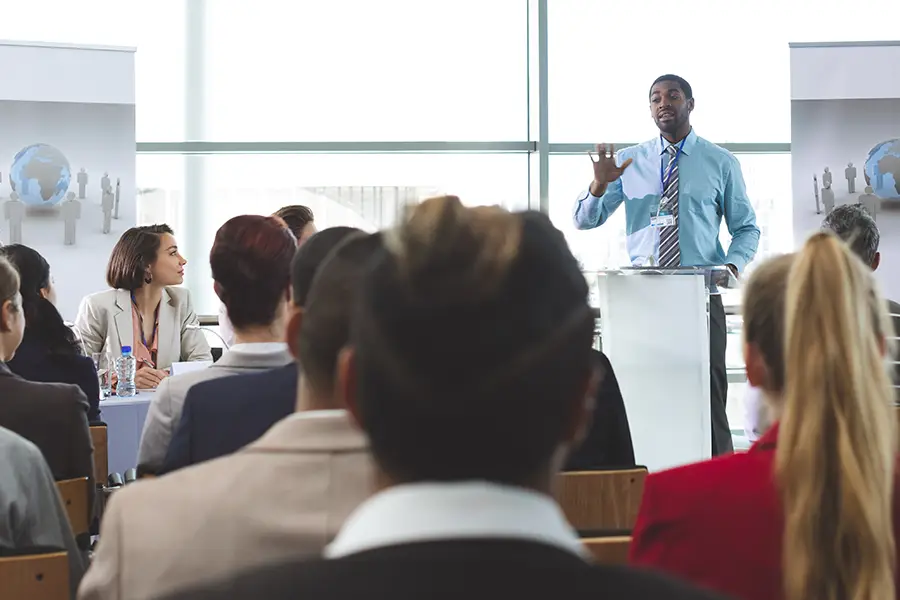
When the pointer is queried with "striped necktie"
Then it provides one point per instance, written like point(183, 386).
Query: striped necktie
point(669, 252)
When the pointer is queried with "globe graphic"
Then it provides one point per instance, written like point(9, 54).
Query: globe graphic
point(40, 175)
point(882, 170)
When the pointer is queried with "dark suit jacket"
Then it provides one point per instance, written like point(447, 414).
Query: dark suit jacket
point(608, 442)
point(445, 570)
point(719, 523)
point(34, 363)
point(223, 415)
point(52, 416)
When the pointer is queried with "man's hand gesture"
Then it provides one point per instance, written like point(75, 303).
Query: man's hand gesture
point(605, 169)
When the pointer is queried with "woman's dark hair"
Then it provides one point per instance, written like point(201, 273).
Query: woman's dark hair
point(42, 320)
point(251, 266)
point(296, 216)
point(132, 255)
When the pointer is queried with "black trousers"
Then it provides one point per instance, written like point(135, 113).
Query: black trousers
point(718, 378)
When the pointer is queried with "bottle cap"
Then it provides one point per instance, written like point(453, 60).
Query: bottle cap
point(126, 349)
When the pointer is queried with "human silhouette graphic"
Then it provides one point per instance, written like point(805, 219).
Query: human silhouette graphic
point(109, 200)
point(104, 182)
point(826, 178)
point(14, 212)
point(118, 192)
point(828, 198)
point(870, 202)
point(82, 182)
point(816, 191)
point(71, 212)
point(850, 174)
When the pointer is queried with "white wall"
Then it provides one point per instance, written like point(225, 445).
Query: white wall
point(848, 70)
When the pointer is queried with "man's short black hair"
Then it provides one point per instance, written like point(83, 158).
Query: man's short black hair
point(473, 345)
point(681, 81)
point(310, 256)
point(853, 224)
point(329, 308)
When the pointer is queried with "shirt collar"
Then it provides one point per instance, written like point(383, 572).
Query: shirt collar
point(443, 511)
point(260, 347)
point(689, 142)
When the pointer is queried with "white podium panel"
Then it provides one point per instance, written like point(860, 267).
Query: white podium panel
point(655, 331)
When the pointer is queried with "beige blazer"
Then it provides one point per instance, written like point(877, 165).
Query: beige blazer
point(282, 497)
point(104, 323)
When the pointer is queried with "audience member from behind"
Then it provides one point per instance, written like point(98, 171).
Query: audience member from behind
point(251, 268)
point(223, 415)
point(52, 416)
point(608, 441)
point(814, 502)
point(50, 351)
point(853, 224)
point(299, 219)
point(144, 309)
point(471, 372)
point(282, 497)
point(32, 518)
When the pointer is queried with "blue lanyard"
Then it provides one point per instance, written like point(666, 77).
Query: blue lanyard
point(665, 179)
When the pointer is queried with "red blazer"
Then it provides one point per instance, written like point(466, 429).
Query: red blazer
point(719, 523)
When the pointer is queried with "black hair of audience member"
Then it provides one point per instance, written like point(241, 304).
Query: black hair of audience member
point(309, 258)
point(472, 348)
point(133, 254)
point(296, 217)
point(42, 319)
point(250, 261)
point(329, 308)
point(681, 81)
point(853, 224)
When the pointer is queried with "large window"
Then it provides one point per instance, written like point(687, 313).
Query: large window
point(354, 70)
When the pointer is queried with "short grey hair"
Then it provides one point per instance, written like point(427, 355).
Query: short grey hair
point(853, 224)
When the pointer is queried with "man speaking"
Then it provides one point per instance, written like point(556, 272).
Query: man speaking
point(676, 189)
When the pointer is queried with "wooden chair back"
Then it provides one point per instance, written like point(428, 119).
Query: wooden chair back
point(35, 577)
point(74, 494)
point(101, 453)
point(609, 550)
point(601, 500)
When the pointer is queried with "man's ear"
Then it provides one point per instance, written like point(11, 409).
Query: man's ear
point(690, 105)
point(6, 310)
point(218, 290)
point(345, 384)
point(295, 322)
point(876, 261)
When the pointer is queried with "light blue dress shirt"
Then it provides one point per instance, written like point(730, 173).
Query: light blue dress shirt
point(710, 187)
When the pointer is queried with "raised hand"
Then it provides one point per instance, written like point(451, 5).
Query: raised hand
point(605, 169)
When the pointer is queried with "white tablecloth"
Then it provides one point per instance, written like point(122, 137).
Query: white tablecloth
point(124, 418)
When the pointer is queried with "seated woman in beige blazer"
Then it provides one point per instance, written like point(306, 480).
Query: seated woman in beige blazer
point(143, 310)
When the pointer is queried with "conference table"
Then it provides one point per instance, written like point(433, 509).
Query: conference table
point(124, 418)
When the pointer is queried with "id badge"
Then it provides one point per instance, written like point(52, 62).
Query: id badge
point(663, 219)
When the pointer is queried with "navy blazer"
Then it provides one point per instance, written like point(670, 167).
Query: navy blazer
point(34, 363)
point(223, 415)
point(608, 442)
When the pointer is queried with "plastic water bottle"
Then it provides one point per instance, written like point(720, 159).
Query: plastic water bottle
point(125, 368)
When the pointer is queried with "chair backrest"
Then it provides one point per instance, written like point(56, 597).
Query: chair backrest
point(609, 550)
point(101, 453)
point(74, 494)
point(35, 577)
point(601, 500)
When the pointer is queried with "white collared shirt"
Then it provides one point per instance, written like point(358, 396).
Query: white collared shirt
point(422, 512)
point(260, 348)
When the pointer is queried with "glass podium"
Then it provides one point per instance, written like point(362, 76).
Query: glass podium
point(655, 330)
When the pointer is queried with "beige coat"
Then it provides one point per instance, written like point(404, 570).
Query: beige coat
point(104, 324)
point(283, 496)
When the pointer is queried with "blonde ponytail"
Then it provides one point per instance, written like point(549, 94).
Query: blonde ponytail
point(837, 435)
